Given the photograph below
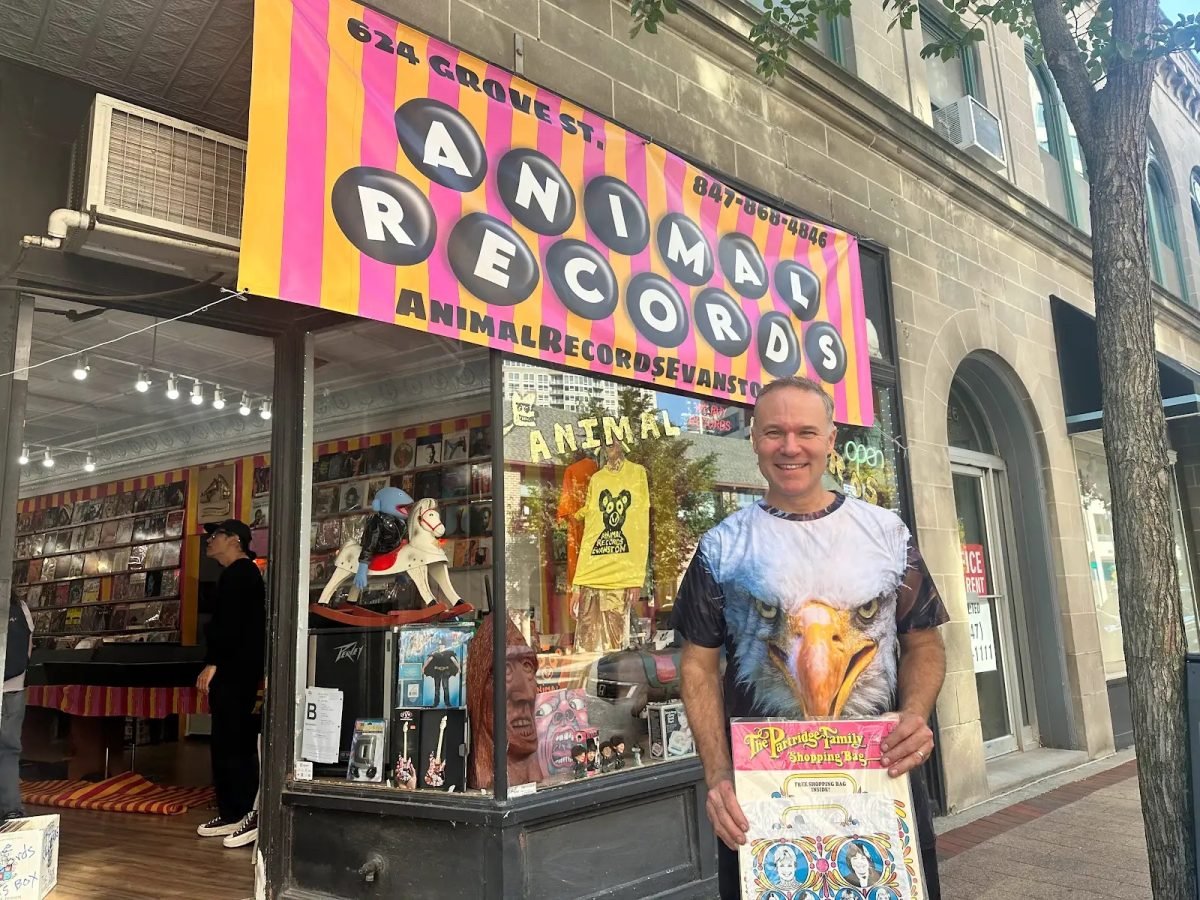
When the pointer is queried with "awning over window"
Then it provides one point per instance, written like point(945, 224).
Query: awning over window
point(1079, 370)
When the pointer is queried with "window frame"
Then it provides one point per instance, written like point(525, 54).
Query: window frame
point(831, 41)
point(941, 30)
point(1161, 224)
point(1194, 194)
point(1056, 135)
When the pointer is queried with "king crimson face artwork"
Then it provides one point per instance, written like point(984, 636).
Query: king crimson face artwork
point(559, 715)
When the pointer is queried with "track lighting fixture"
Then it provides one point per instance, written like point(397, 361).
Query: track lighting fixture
point(172, 387)
point(197, 394)
point(89, 464)
point(264, 411)
point(244, 406)
point(47, 459)
point(81, 368)
point(218, 398)
point(23, 459)
point(143, 382)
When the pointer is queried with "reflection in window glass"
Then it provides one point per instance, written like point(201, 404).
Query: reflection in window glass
point(1038, 99)
point(1096, 497)
point(946, 79)
point(608, 489)
point(864, 460)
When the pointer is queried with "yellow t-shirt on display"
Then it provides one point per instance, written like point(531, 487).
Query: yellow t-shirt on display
point(616, 530)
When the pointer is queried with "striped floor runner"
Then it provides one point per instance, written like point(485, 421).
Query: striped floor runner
point(129, 792)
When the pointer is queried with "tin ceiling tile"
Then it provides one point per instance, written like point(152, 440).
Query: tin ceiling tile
point(23, 27)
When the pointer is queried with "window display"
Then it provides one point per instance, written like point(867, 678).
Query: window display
point(399, 548)
point(608, 488)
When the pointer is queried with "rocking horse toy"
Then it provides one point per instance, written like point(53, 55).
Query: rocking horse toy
point(383, 552)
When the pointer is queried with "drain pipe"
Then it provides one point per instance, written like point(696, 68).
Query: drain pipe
point(60, 222)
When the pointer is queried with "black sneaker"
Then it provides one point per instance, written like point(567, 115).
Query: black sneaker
point(217, 827)
point(247, 832)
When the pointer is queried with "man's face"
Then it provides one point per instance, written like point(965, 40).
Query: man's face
point(521, 691)
point(792, 437)
point(221, 542)
point(785, 864)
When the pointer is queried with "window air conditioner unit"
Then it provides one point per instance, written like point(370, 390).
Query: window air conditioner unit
point(970, 126)
point(158, 192)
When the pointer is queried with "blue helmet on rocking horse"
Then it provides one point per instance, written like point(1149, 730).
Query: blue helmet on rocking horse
point(384, 529)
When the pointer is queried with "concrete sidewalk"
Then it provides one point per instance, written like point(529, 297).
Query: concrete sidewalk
point(1074, 836)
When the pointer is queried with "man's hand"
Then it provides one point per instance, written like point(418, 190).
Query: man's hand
point(908, 745)
point(204, 679)
point(725, 813)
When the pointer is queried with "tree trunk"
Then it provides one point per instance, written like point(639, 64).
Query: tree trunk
point(1135, 443)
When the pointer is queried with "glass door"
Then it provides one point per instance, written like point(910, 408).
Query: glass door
point(1004, 716)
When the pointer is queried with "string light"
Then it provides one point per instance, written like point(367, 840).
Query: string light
point(48, 460)
point(218, 398)
point(89, 464)
point(172, 387)
point(244, 406)
point(143, 382)
point(81, 368)
point(23, 459)
point(264, 411)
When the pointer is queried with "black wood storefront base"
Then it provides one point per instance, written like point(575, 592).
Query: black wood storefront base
point(639, 835)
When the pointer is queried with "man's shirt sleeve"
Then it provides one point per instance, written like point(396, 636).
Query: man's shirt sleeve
point(699, 614)
point(918, 605)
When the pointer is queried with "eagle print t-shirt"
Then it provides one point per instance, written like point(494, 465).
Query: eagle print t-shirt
point(808, 607)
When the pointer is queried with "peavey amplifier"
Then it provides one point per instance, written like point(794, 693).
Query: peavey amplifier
point(358, 662)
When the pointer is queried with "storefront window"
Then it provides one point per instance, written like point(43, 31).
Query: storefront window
point(608, 489)
point(1096, 498)
point(401, 500)
point(865, 461)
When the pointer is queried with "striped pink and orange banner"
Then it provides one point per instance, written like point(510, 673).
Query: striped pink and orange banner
point(394, 177)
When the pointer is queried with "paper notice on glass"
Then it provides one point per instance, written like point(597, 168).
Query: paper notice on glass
point(322, 724)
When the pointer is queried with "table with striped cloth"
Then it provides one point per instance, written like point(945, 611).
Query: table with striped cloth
point(98, 701)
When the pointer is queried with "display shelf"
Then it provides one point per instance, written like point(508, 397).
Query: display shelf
point(56, 580)
point(95, 603)
point(99, 535)
point(83, 524)
point(59, 553)
point(87, 634)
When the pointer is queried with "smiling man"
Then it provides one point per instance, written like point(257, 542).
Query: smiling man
point(824, 608)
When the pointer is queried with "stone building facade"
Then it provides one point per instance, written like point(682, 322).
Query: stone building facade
point(975, 257)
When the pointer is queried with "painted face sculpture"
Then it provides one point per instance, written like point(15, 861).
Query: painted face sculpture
point(559, 715)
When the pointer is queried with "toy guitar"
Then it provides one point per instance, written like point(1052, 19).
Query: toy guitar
point(435, 774)
point(406, 772)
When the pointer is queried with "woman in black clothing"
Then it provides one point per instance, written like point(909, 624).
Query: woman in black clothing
point(232, 673)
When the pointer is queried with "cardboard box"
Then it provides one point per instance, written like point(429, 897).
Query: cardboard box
point(28, 857)
point(670, 733)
